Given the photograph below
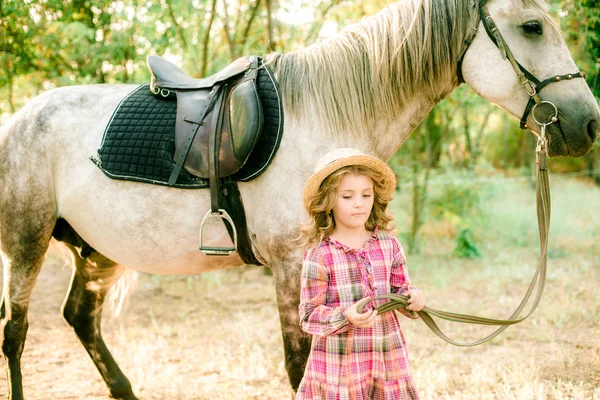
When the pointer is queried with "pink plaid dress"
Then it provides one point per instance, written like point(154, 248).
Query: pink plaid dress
point(348, 363)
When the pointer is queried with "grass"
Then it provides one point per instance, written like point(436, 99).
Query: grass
point(217, 336)
point(555, 354)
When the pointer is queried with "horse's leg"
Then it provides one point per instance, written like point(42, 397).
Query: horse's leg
point(20, 273)
point(296, 344)
point(92, 277)
point(25, 235)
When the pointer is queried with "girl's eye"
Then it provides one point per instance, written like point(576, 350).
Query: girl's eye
point(346, 197)
point(366, 195)
point(532, 27)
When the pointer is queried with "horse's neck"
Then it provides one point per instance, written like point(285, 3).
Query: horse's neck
point(386, 139)
point(382, 139)
point(383, 135)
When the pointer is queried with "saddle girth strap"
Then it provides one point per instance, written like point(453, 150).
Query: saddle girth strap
point(231, 201)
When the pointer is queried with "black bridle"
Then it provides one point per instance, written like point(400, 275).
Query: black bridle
point(532, 85)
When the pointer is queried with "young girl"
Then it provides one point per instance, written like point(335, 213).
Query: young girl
point(352, 255)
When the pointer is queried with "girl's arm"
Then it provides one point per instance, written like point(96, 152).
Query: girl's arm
point(400, 281)
point(315, 317)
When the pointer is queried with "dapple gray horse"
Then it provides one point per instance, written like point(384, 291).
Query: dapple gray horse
point(367, 87)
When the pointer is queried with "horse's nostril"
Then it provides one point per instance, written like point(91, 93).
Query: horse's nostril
point(592, 129)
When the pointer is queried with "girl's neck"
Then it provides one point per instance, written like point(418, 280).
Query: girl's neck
point(353, 238)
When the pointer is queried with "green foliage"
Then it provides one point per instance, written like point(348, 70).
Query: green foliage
point(49, 43)
point(465, 248)
point(580, 23)
point(459, 199)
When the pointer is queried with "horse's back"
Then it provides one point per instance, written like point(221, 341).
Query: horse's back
point(53, 128)
point(60, 115)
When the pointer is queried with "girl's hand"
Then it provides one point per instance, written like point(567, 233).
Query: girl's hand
point(416, 300)
point(364, 320)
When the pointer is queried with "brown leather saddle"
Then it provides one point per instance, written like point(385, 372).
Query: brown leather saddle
point(219, 121)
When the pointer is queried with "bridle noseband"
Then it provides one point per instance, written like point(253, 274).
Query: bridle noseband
point(532, 85)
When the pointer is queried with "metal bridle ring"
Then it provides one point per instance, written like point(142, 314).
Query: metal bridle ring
point(552, 120)
point(530, 89)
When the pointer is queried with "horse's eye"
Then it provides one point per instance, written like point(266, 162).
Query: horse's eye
point(533, 27)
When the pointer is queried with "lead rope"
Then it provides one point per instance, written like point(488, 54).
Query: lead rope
point(543, 214)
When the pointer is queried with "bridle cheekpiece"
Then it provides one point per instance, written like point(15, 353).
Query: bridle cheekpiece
point(533, 86)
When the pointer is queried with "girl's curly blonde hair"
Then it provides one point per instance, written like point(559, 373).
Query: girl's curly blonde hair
point(322, 222)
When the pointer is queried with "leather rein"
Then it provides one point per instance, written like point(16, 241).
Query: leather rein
point(533, 86)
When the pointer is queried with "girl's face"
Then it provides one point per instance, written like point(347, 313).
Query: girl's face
point(354, 201)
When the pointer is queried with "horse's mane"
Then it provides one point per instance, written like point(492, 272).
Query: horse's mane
point(367, 72)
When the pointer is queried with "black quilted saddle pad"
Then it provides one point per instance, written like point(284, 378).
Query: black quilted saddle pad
point(139, 141)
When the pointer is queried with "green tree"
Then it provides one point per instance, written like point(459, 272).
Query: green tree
point(17, 55)
point(580, 22)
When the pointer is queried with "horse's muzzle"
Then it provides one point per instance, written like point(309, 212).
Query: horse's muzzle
point(569, 137)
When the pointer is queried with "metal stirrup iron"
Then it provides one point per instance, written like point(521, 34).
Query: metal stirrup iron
point(218, 251)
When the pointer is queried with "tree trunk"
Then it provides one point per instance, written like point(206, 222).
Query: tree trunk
point(206, 39)
point(413, 246)
point(246, 34)
point(178, 28)
point(505, 145)
point(467, 129)
point(317, 24)
point(11, 101)
point(227, 34)
point(10, 82)
point(420, 180)
point(479, 137)
point(591, 161)
point(270, 42)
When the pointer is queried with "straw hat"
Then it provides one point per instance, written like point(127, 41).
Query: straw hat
point(343, 157)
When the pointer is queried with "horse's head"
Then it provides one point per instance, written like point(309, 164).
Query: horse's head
point(527, 34)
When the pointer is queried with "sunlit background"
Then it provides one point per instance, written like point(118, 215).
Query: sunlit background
point(464, 207)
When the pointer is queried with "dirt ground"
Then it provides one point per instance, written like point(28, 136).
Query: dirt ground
point(216, 336)
point(178, 338)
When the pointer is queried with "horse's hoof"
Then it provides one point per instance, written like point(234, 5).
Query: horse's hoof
point(124, 395)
